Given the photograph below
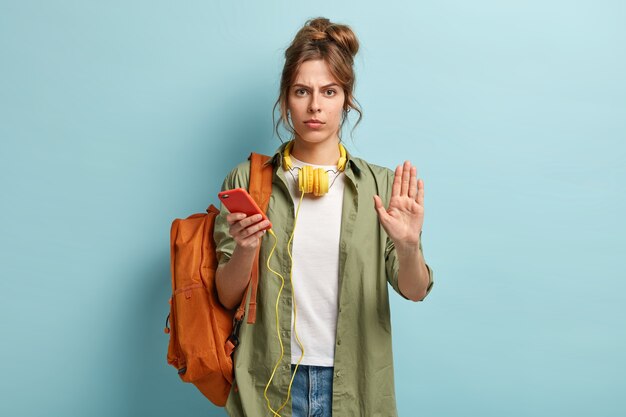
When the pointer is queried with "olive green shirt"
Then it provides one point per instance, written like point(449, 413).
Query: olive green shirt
point(363, 381)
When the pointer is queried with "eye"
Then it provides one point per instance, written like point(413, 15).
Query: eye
point(332, 91)
point(299, 90)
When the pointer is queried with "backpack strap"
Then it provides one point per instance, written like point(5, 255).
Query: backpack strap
point(260, 188)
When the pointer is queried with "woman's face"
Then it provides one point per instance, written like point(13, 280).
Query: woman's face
point(315, 94)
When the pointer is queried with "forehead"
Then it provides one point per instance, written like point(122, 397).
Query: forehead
point(314, 72)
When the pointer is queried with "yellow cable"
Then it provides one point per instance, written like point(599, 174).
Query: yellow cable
point(295, 315)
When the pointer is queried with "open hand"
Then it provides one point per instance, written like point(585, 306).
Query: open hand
point(404, 218)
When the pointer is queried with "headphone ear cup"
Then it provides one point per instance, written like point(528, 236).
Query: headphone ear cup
point(301, 177)
point(313, 180)
point(317, 182)
point(322, 182)
point(306, 178)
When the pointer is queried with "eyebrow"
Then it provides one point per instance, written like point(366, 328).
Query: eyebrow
point(324, 86)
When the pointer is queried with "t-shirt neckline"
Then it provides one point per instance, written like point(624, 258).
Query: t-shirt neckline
point(302, 163)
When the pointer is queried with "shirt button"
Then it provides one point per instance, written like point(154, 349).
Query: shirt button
point(343, 245)
point(338, 374)
point(338, 342)
point(352, 216)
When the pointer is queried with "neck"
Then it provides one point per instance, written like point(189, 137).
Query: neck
point(320, 153)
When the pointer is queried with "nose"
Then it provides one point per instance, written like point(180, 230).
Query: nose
point(314, 106)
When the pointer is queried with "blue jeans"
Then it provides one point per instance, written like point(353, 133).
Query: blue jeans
point(312, 391)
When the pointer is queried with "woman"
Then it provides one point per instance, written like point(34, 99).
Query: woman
point(335, 240)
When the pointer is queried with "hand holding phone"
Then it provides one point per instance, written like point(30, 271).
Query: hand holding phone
point(239, 200)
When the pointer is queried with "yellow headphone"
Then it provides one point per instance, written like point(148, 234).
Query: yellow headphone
point(313, 180)
point(310, 180)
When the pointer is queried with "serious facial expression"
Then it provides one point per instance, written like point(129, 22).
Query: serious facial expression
point(315, 95)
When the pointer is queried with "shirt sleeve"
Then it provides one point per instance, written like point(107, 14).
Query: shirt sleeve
point(224, 242)
point(392, 267)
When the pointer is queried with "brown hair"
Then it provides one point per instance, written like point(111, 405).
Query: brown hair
point(334, 43)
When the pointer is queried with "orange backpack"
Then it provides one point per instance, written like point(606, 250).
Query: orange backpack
point(203, 334)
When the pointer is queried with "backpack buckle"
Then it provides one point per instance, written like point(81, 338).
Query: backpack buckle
point(234, 336)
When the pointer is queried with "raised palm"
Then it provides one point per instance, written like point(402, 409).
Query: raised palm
point(404, 218)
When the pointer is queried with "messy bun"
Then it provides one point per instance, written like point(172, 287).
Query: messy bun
point(321, 29)
point(334, 43)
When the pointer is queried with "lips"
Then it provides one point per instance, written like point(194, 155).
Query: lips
point(313, 125)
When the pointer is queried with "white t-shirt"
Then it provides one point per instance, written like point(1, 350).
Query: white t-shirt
point(315, 271)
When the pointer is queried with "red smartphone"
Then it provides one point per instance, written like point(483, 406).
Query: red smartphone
point(239, 200)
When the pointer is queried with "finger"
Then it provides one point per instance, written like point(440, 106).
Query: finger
point(242, 224)
point(232, 218)
point(413, 183)
point(251, 240)
point(420, 192)
point(250, 220)
point(252, 230)
point(406, 178)
point(380, 208)
point(397, 179)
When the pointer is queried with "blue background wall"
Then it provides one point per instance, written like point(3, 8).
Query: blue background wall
point(118, 117)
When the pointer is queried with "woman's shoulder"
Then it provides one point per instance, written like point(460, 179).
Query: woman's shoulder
point(377, 171)
point(373, 178)
point(238, 176)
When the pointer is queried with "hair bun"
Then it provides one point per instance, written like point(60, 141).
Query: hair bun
point(342, 35)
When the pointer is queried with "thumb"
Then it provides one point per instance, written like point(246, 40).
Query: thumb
point(380, 209)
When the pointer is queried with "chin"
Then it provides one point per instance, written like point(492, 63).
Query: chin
point(314, 137)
